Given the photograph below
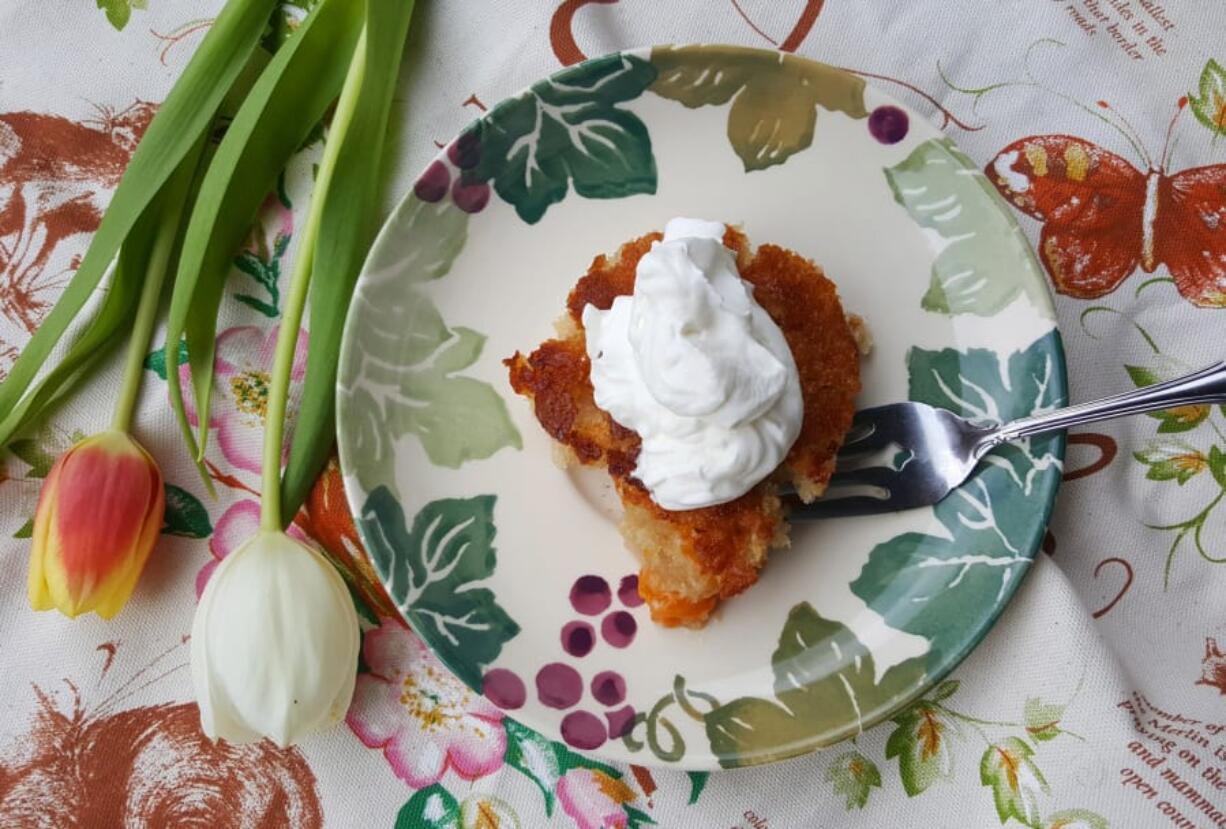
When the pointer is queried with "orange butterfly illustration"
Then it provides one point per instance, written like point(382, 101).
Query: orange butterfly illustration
point(1102, 216)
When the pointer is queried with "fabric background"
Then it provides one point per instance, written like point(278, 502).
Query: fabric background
point(1106, 657)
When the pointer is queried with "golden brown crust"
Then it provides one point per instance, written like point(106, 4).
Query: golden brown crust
point(694, 558)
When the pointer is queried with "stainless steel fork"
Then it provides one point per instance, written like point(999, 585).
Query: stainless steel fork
point(908, 455)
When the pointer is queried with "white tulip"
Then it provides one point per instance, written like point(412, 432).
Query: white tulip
point(274, 644)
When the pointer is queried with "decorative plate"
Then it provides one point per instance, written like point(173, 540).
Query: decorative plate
point(513, 570)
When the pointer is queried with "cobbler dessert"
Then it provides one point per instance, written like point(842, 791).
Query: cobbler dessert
point(703, 375)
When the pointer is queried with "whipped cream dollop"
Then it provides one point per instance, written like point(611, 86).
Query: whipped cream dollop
point(698, 369)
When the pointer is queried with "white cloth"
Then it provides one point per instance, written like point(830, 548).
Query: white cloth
point(1095, 629)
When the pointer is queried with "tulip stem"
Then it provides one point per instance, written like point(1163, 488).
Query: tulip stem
point(172, 204)
point(300, 281)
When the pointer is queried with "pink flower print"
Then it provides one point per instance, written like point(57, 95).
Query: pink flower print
point(242, 371)
point(594, 799)
point(237, 524)
point(425, 720)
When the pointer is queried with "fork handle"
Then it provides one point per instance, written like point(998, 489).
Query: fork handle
point(1208, 385)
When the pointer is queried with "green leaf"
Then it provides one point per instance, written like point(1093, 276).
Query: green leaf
point(26, 531)
point(1042, 719)
point(347, 226)
point(854, 776)
point(775, 96)
point(484, 811)
point(1015, 780)
point(260, 305)
point(534, 756)
point(977, 270)
point(1209, 106)
point(1217, 465)
point(636, 818)
point(35, 455)
point(401, 375)
point(945, 690)
point(698, 782)
point(430, 570)
point(568, 129)
point(1169, 459)
point(181, 119)
point(268, 128)
point(543, 761)
point(922, 745)
point(927, 584)
point(185, 515)
point(155, 361)
point(430, 808)
point(1172, 421)
point(117, 12)
point(825, 690)
point(1142, 376)
point(1076, 819)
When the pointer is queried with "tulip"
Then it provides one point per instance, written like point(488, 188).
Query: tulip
point(99, 514)
point(274, 643)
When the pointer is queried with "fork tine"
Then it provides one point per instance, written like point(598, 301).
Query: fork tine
point(869, 431)
point(848, 507)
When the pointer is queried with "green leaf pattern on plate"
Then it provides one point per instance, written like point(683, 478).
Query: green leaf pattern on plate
point(930, 585)
point(430, 570)
point(824, 679)
point(775, 96)
point(568, 129)
point(984, 262)
point(409, 360)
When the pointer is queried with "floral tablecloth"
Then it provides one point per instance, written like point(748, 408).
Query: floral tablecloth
point(1098, 700)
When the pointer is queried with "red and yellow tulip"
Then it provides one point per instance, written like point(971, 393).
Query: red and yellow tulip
point(99, 514)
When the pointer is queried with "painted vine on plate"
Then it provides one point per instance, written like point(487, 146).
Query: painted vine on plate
point(430, 569)
point(399, 385)
point(928, 584)
point(565, 131)
point(775, 96)
point(985, 262)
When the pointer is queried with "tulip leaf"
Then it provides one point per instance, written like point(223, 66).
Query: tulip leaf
point(272, 123)
point(185, 515)
point(430, 571)
point(26, 531)
point(116, 309)
point(182, 118)
point(347, 226)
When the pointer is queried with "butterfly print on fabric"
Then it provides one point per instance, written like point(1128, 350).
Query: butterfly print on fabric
point(1102, 217)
